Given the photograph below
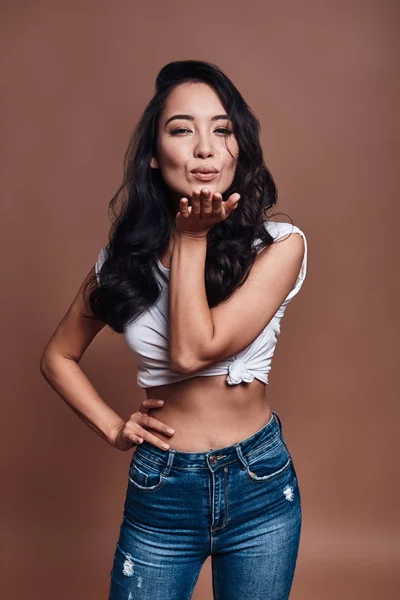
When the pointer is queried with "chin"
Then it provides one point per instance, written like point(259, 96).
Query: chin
point(212, 185)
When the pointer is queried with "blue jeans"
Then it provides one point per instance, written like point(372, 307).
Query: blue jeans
point(239, 504)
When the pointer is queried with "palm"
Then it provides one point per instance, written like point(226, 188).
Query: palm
point(207, 210)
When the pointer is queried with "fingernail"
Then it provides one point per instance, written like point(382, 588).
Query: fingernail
point(160, 402)
point(170, 430)
point(165, 446)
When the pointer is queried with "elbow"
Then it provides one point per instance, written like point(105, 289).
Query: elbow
point(178, 367)
point(184, 365)
point(43, 365)
point(49, 363)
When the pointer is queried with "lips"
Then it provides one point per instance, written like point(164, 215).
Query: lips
point(205, 176)
point(205, 169)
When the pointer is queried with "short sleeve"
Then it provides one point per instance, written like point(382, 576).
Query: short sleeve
point(279, 230)
point(99, 263)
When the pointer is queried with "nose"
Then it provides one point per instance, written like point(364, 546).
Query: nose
point(203, 147)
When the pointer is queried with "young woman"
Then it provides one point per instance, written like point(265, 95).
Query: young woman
point(194, 279)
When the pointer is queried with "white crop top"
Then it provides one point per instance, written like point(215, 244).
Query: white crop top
point(147, 336)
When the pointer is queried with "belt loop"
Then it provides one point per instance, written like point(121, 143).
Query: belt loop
point(240, 456)
point(279, 421)
point(171, 456)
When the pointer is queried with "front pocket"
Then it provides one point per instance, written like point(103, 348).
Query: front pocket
point(146, 475)
point(271, 463)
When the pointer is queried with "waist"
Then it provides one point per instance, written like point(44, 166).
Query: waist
point(206, 412)
point(218, 456)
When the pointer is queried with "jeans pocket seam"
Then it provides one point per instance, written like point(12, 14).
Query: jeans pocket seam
point(271, 475)
point(145, 475)
point(152, 488)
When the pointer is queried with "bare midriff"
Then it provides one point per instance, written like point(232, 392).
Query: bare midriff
point(207, 413)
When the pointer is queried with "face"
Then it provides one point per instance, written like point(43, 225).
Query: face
point(193, 132)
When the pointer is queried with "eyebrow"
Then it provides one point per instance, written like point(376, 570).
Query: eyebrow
point(191, 118)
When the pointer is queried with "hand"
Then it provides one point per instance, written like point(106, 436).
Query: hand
point(206, 211)
point(133, 432)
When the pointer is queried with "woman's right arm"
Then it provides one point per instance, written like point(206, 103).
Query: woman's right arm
point(59, 365)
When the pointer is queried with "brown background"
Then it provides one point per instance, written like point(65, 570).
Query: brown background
point(321, 77)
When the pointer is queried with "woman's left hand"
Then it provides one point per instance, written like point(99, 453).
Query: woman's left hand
point(207, 210)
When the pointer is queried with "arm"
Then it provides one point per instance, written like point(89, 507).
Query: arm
point(59, 366)
point(190, 324)
point(200, 336)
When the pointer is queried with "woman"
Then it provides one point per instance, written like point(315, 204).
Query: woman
point(194, 279)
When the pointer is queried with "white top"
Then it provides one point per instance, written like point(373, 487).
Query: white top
point(147, 336)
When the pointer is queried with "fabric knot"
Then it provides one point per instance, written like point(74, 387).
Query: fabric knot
point(237, 372)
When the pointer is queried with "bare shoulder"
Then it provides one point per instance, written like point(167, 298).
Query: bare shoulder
point(289, 249)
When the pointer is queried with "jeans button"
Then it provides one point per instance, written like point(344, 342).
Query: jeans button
point(213, 460)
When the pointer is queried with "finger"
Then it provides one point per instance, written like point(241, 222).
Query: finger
point(135, 436)
point(206, 202)
point(217, 207)
point(158, 425)
point(154, 440)
point(196, 204)
point(184, 207)
point(234, 198)
point(135, 433)
point(150, 403)
point(232, 202)
point(138, 434)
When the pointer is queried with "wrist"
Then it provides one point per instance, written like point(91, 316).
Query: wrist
point(188, 235)
point(114, 431)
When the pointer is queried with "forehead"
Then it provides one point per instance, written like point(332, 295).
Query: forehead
point(198, 99)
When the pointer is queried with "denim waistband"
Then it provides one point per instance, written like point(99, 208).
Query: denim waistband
point(216, 457)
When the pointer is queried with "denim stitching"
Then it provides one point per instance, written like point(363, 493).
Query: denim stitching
point(144, 464)
point(267, 477)
point(226, 501)
point(266, 445)
point(198, 468)
point(212, 502)
point(140, 471)
point(145, 457)
point(153, 488)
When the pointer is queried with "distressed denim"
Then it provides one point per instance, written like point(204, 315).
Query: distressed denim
point(239, 504)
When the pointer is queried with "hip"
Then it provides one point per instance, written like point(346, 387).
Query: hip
point(225, 487)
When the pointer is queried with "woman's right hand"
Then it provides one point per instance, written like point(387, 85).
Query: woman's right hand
point(133, 432)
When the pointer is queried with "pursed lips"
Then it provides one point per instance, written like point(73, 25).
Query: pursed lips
point(205, 176)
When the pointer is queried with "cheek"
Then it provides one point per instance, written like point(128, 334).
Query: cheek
point(172, 155)
point(230, 162)
point(231, 153)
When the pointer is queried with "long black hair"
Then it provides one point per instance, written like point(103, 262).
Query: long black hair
point(143, 212)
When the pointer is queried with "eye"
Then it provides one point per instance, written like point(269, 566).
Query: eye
point(226, 131)
point(175, 131)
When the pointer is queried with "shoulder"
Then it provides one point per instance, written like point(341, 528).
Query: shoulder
point(280, 229)
point(292, 248)
point(284, 231)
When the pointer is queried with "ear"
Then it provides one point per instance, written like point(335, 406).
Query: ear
point(154, 163)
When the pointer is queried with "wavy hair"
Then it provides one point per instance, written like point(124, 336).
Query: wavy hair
point(142, 211)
